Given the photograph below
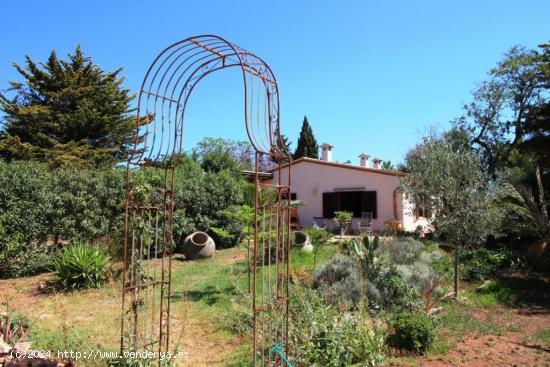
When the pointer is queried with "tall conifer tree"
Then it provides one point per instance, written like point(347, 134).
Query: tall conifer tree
point(307, 145)
point(67, 113)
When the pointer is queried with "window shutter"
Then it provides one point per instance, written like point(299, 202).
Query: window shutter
point(369, 204)
point(329, 204)
point(356, 202)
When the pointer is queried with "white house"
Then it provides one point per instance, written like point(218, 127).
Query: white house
point(326, 186)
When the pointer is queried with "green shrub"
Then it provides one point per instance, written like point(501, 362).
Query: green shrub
point(323, 336)
point(202, 201)
point(27, 200)
point(81, 266)
point(339, 281)
point(233, 233)
point(69, 203)
point(386, 289)
point(402, 250)
point(338, 268)
point(23, 260)
point(346, 247)
point(384, 284)
point(400, 271)
point(476, 265)
point(481, 264)
point(416, 275)
point(88, 203)
point(413, 331)
point(17, 259)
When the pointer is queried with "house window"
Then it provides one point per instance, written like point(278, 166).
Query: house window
point(293, 196)
point(355, 202)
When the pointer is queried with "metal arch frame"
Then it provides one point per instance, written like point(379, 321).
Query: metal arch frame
point(225, 52)
point(162, 103)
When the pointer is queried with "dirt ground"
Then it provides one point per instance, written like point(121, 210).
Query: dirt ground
point(511, 348)
point(515, 344)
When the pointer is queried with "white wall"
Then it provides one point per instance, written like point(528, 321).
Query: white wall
point(410, 221)
point(310, 180)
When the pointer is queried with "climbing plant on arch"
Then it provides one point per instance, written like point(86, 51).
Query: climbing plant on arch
point(148, 231)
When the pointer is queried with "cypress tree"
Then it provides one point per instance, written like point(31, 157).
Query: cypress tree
point(67, 112)
point(307, 145)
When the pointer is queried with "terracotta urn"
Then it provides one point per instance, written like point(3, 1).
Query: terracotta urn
point(198, 245)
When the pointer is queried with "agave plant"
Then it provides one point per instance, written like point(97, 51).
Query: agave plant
point(81, 266)
point(365, 250)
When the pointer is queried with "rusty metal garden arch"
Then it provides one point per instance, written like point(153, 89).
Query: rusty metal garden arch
point(149, 221)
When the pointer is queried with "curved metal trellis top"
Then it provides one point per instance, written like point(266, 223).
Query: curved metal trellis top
point(170, 81)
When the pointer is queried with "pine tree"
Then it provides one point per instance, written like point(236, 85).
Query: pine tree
point(307, 145)
point(67, 112)
point(537, 122)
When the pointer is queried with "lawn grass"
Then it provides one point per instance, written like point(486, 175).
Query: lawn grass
point(492, 293)
point(304, 261)
point(210, 302)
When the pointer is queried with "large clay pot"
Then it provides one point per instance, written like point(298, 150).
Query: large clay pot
point(302, 241)
point(537, 250)
point(198, 245)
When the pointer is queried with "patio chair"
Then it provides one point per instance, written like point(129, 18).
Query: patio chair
point(366, 223)
point(356, 228)
point(319, 223)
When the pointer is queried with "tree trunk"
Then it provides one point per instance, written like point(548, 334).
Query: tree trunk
point(456, 273)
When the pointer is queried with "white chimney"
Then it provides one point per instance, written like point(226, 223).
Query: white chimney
point(326, 152)
point(364, 160)
point(377, 163)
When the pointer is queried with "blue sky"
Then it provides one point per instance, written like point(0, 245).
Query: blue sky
point(371, 76)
